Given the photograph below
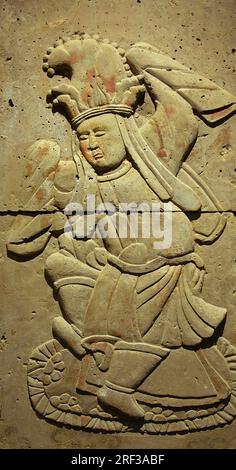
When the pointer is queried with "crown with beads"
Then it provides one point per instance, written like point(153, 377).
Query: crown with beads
point(100, 79)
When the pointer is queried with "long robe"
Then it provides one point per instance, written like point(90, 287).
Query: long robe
point(161, 306)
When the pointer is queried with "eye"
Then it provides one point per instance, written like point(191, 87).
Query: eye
point(99, 133)
point(83, 137)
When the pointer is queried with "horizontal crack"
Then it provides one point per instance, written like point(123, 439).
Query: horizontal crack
point(14, 213)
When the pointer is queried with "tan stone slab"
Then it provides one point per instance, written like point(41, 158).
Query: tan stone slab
point(192, 40)
point(96, 333)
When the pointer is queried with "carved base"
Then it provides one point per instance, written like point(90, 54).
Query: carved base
point(56, 394)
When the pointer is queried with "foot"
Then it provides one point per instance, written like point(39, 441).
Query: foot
point(120, 402)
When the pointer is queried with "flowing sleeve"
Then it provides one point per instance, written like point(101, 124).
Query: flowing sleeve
point(211, 102)
point(43, 196)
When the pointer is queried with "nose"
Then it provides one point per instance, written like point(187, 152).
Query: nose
point(92, 141)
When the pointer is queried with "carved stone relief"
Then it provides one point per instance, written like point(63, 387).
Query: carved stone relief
point(137, 347)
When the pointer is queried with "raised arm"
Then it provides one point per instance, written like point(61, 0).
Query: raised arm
point(177, 93)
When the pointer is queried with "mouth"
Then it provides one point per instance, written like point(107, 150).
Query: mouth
point(97, 155)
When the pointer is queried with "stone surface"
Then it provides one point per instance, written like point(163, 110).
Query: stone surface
point(40, 178)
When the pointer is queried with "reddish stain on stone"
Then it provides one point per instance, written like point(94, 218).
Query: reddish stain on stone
point(42, 151)
point(162, 153)
point(48, 171)
point(220, 114)
point(170, 110)
point(223, 137)
point(85, 420)
point(90, 74)
point(73, 58)
point(45, 221)
point(110, 85)
point(29, 169)
point(51, 175)
point(179, 145)
point(157, 130)
point(40, 194)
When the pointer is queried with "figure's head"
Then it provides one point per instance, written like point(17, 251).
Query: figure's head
point(101, 142)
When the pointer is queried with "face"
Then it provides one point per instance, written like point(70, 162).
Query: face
point(101, 142)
